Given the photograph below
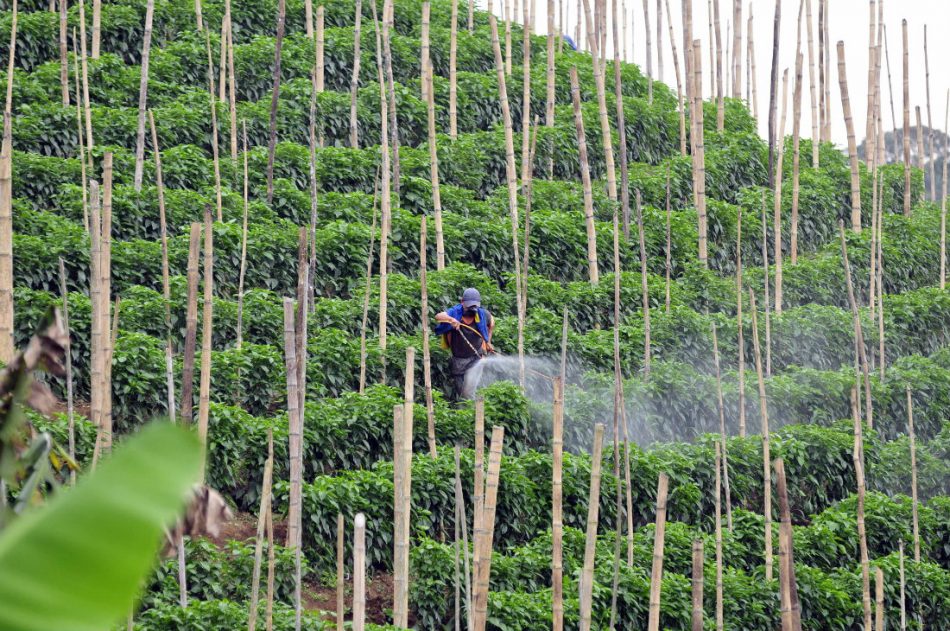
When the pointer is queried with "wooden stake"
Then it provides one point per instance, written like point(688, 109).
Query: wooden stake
point(80, 135)
point(618, 402)
point(669, 239)
point(274, 99)
point(191, 325)
point(593, 506)
point(646, 28)
point(403, 499)
point(913, 474)
point(453, 72)
point(296, 433)
point(751, 67)
point(737, 49)
point(766, 457)
point(679, 82)
point(7, 348)
point(870, 136)
point(943, 201)
point(852, 147)
point(699, 153)
point(796, 157)
point(773, 95)
point(606, 137)
point(391, 89)
point(906, 120)
point(920, 145)
point(815, 138)
point(930, 126)
point(105, 296)
point(720, 104)
point(484, 544)
point(791, 608)
point(242, 272)
point(359, 572)
point(367, 289)
point(768, 308)
point(890, 89)
point(858, 459)
point(878, 599)
point(900, 545)
point(557, 524)
point(656, 575)
point(697, 619)
point(621, 129)
point(827, 25)
point(429, 94)
point(592, 270)
point(97, 26)
point(777, 200)
point(271, 553)
point(722, 428)
point(96, 344)
point(340, 606)
point(355, 77)
point(525, 99)
point(478, 495)
point(204, 384)
point(214, 129)
point(822, 79)
point(718, 504)
point(461, 523)
point(687, 51)
point(510, 169)
point(426, 360)
point(740, 325)
point(166, 283)
point(644, 289)
point(259, 545)
point(64, 296)
point(386, 193)
point(318, 51)
point(858, 333)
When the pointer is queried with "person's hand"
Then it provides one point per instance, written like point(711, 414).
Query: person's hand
point(455, 324)
point(489, 348)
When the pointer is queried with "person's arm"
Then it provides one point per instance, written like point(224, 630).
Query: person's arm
point(444, 318)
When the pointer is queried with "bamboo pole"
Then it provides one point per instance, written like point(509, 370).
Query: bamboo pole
point(191, 324)
point(484, 544)
point(659, 39)
point(720, 103)
point(890, 90)
point(7, 347)
point(204, 383)
point(510, 168)
point(768, 308)
point(656, 575)
point(549, 98)
point(858, 333)
point(391, 89)
point(592, 270)
point(913, 474)
point(385, 208)
point(557, 524)
point(529, 195)
point(869, 134)
point(697, 584)
point(433, 155)
point(777, 199)
point(87, 110)
point(766, 458)
point(737, 49)
point(462, 523)
point(63, 52)
point(827, 25)
point(95, 333)
point(618, 398)
point(791, 608)
point(367, 289)
point(751, 66)
point(593, 506)
point(900, 545)
point(166, 282)
point(906, 120)
point(525, 100)
point(606, 138)
point(478, 495)
point(920, 147)
point(687, 11)
point(669, 239)
point(773, 94)
point(718, 504)
point(296, 433)
point(507, 16)
point(214, 129)
point(852, 147)
point(259, 545)
point(403, 499)
point(699, 153)
point(426, 360)
point(679, 82)
point(646, 28)
point(453, 72)
point(930, 125)
point(105, 296)
point(359, 572)
point(271, 553)
point(943, 199)
point(823, 79)
point(318, 81)
point(355, 77)
point(198, 19)
point(340, 582)
point(796, 157)
point(275, 98)
point(858, 459)
point(621, 129)
point(878, 599)
point(64, 296)
point(722, 428)
point(97, 27)
point(644, 288)
point(740, 326)
point(242, 271)
point(815, 139)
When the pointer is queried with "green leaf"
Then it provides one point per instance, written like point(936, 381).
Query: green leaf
point(78, 562)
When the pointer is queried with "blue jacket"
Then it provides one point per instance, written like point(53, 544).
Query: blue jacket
point(482, 320)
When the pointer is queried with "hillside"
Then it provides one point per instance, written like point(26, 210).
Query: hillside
point(672, 406)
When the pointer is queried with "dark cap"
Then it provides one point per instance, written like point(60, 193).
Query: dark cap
point(471, 298)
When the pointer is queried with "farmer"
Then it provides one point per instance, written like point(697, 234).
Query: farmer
point(466, 330)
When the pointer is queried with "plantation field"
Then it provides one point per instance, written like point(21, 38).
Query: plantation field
point(697, 320)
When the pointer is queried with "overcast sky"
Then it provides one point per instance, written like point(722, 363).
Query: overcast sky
point(848, 23)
